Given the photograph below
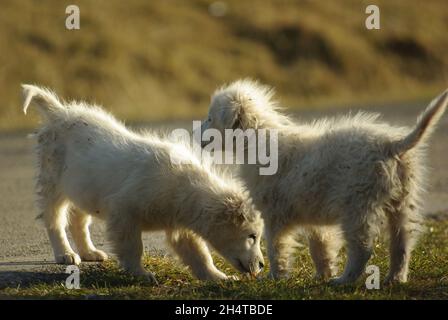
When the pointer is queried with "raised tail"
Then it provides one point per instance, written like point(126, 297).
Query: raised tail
point(426, 124)
point(47, 102)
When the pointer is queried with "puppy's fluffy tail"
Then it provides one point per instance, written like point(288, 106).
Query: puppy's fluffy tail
point(46, 101)
point(426, 124)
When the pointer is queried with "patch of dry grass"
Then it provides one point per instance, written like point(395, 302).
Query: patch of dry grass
point(428, 279)
point(148, 60)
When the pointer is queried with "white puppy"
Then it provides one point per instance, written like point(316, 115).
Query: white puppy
point(90, 164)
point(349, 173)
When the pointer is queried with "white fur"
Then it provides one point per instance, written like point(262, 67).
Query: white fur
point(336, 177)
point(89, 164)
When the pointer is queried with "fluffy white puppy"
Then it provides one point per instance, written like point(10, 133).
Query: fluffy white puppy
point(349, 173)
point(89, 164)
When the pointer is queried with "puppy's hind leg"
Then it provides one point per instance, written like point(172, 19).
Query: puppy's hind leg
point(193, 252)
point(324, 245)
point(279, 244)
point(54, 214)
point(79, 228)
point(126, 238)
point(404, 231)
point(51, 203)
point(359, 236)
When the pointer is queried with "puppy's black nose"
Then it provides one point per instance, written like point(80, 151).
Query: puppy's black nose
point(261, 265)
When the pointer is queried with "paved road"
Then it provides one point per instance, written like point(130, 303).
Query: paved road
point(24, 246)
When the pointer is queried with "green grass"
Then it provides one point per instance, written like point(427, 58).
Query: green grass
point(159, 60)
point(428, 280)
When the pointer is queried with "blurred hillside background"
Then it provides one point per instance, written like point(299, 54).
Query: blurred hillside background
point(161, 59)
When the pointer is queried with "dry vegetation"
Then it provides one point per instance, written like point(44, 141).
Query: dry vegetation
point(149, 60)
point(428, 279)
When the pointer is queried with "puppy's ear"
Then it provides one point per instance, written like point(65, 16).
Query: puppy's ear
point(231, 116)
point(235, 210)
point(244, 116)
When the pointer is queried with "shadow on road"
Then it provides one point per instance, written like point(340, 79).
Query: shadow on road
point(27, 263)
point(92, 274)
point(24, 279)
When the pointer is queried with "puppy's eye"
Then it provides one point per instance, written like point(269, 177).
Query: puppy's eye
point(253, 237)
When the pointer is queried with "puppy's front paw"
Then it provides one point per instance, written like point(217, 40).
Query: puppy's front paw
point(150, 278)
point(68, 258)
point(325, 274)
point(278, 275)
point(215, 275)
point(392, 279)
point(94, 255)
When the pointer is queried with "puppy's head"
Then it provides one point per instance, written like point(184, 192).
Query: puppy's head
point(241, 105)
point(236, 232)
